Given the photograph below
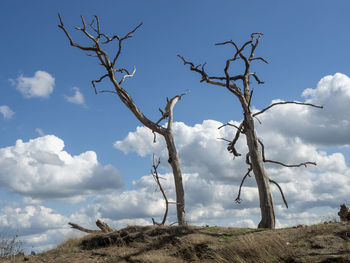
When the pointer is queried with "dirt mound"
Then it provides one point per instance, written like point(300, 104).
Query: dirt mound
point(318, 243)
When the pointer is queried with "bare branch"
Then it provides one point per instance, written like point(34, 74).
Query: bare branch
point(280, 163)
point(127, 76)
point(155, 175)
point(120, 40)
point(195, 68)
point(100, 224)
point(95, 40)
point(72, 43)
point(256, 78)
point(83, 229)
point(97, 30)
point(260, 58)
point(238, 199)
point(254, 45)
point(231, 146)
point(238, 52)
point(286, 102)
point(232, 87)
point(169, 107)
point(284, 199)
point(98, 80)
point(228, 124)
point(103, 226)
point(224, 139)
point(92, 55)
point(290, 165)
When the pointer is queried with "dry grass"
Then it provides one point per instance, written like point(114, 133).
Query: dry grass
point(317, 243)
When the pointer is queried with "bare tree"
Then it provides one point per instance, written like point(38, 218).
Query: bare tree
point(255, 157)
point(99, 40)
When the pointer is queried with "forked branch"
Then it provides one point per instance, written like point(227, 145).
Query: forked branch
point(205, 77)
point(280, 163)
point(231, 146)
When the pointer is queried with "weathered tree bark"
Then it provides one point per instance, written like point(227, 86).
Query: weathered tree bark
point(265, 197)
point(255, 157)
point(175, 165)
point(109, 65)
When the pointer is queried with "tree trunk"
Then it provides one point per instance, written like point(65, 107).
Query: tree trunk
point(265, 197)
point(175, 165)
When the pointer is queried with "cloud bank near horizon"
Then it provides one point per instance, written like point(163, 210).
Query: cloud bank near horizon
point(291, 134)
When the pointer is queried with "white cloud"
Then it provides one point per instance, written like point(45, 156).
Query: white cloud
point(77, 98)
point(327, 127)
point(211, 175)
point(6, 112)
point(30, 219)
point(40, 85)
point(38, 227)
point(199, 149)
point(291, 133)
point(41, 169)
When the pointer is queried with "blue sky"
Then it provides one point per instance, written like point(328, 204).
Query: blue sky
point(304, 41)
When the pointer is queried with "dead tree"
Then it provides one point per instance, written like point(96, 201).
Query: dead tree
point(99, 41)
point(255, 157)
point(156, 178)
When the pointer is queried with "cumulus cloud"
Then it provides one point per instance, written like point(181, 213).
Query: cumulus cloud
point(77, 98)
point(38, 227)
point(327, 127)
point(291, 133)
point(197, 145)
point(207, 202)
point(40, 85)
point(211, 176)
point(6, 112)
point(41, 169)
point(30, 219)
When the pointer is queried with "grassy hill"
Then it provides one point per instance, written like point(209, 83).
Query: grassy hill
point(326, 242)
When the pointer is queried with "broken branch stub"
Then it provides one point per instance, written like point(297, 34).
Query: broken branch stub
point(104, 227)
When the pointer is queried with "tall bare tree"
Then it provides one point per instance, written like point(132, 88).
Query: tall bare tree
point(99, 40)
point(255, 157)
